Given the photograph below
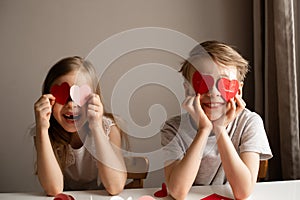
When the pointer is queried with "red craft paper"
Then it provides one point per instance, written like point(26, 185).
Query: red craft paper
point(216, 197)
point(163, 192)
point(202, 83)
point(228, 88)
point(62, 196)
point(79, 94)
point(61, 93)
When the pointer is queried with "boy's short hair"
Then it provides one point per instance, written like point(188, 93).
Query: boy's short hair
point(220, 53)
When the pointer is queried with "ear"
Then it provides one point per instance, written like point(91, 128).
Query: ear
point(240, 91)
point(189, 91)
point(186, 88)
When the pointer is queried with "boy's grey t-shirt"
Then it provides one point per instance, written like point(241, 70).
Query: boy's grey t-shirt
point(247, 133)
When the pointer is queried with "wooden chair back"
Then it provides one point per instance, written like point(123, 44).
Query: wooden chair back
point(137, 171)
point(263, 169)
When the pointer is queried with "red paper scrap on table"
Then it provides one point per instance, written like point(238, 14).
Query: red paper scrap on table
point(62, 196)
point(163, 192)
point(216, 197)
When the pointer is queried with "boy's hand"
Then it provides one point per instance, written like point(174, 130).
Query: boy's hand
point(234, 107)
point(42, 110)
point(192, 105)
point(94, 111)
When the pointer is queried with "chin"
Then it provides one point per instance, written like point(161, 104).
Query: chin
point(213, 116)
point(70, 130)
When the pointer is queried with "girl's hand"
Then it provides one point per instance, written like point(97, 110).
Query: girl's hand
point(234, 107)
point(94, 111)
point(42, 110)
point(192, 105)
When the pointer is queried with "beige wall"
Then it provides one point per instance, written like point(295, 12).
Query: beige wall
point(34, 34)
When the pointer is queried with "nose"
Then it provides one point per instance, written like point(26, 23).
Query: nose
point(71, 104)
point(213, 92)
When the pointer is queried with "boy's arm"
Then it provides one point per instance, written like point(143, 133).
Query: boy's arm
point(241, 171)
point(181, 174)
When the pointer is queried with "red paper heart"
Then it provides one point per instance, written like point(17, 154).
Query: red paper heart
point(79, 94)
point(202, 83)
point(216, 197)
point(163, 192)
point(228, 88)
point(62, 196)
point(61, 93)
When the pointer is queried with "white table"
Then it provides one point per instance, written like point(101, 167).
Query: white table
point(283, 190)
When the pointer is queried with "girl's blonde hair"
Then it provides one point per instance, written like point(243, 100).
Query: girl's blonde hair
point(220, 53)
point(58, 136)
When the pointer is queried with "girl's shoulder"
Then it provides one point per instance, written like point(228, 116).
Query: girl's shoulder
point(107, 124)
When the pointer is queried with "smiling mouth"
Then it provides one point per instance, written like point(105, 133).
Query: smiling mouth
point(213, 105)
point(71, 117)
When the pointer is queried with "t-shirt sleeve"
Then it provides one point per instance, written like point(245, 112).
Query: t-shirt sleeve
point(254, 138)
point(173, 148)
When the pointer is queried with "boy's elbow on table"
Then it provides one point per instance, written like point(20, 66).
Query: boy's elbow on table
point(245, 194)
point(115, 189)
point(178, 193)
point(53, 191)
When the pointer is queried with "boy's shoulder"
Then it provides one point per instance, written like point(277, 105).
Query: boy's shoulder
point(177, 122)
point(177, 119)
point(247, 116)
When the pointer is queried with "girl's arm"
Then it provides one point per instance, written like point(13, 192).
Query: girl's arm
point(48, 170)
point(111, 167)
point(188, 167)
point(241, 171)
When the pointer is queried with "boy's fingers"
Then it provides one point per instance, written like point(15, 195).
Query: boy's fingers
point(197, 103)
point(232, 109)
point(187, 102)
point(241, 104)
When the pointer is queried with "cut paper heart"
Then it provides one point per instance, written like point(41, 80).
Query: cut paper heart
point(120, 198)
point(79, 94)
point(61, 93)
point(216, 197)
point(202, 83)
point(163, 192)
point(146, 197)
point(228, 88)
point(62, 196)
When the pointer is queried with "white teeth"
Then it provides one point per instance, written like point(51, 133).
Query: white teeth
point(213, 105)
point(72, 117)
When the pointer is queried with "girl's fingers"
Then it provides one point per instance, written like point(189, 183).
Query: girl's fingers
point(49, 96)
point(94, 99)
point(94, 106)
